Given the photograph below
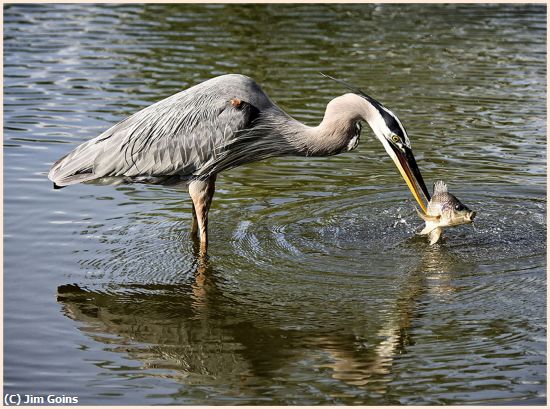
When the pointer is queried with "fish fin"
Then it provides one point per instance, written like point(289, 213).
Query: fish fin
point(427, 230)
point(435, 235)
point(426, 217)
point(440, 187)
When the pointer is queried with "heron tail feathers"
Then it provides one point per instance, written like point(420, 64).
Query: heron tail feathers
point(76, 167)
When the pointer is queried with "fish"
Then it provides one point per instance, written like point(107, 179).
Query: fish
point(444, 210)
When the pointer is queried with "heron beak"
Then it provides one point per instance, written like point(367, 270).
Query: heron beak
point(408, 168)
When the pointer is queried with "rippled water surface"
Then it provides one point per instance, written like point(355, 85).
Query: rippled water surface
point(316, 290)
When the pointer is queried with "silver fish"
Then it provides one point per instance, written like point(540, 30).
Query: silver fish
point(444, 210)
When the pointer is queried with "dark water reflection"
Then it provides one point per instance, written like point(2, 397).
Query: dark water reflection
point(195, 332)
point(200, 328)
point(317, 290)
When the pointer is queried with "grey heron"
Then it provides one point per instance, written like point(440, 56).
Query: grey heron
point(222, 123)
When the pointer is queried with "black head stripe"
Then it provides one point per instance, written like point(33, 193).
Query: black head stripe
point(389, 119)
point(391, 123)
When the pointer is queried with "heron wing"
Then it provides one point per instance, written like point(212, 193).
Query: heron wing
point(176, 136)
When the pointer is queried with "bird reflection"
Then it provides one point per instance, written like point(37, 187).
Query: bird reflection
point(433, 274)
point(197, 330)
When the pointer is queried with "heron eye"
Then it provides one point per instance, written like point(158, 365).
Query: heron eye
point(395, 138)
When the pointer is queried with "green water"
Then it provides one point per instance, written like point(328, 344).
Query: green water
point(316, 290)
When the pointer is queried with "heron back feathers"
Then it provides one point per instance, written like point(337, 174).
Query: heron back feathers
point(184, 135)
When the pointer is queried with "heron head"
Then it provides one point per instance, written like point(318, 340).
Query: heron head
point(393, 136)
point(389, 130)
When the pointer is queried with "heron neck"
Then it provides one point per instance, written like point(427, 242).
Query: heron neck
point(338, 127)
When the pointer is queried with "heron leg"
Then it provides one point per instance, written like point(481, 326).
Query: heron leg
point(194, 223)
point(202, 192)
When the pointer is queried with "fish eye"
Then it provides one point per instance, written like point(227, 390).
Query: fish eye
point(459, 207)
point(395, 138)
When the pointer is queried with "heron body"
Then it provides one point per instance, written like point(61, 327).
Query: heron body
point(219, 124)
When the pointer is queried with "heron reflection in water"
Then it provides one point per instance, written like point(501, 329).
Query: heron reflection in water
point(222, 123)
point(197, 328)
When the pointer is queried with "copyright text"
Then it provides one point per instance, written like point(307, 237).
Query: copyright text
point(17, 399)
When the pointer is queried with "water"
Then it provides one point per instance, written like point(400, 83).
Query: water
point(317, 290)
